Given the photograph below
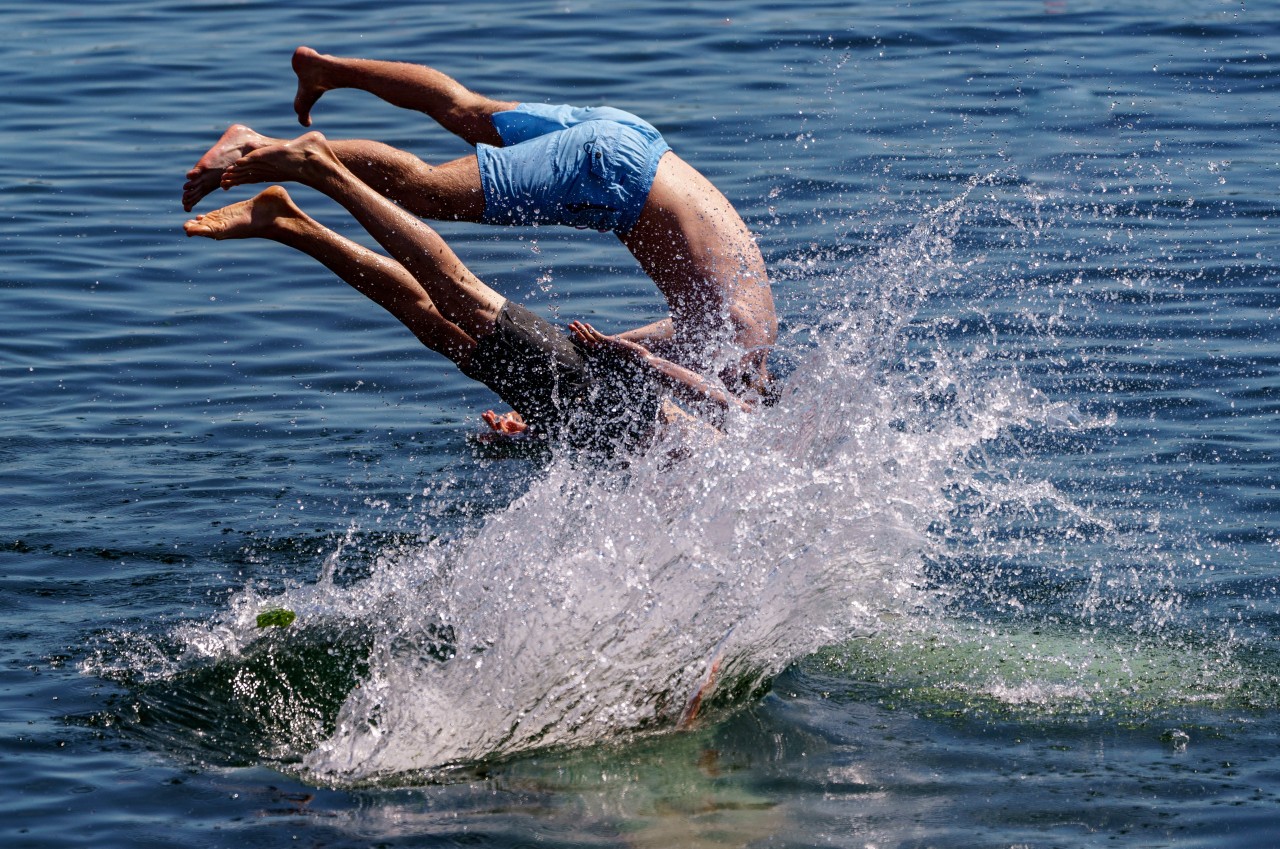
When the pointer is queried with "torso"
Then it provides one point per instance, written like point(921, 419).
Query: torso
point(704, 260)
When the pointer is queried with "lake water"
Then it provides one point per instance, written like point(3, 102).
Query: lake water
point(999, 570)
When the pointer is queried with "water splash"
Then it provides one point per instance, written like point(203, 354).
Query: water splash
point(599, 602)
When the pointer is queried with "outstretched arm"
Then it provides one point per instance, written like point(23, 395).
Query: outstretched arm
point(688, 385)
point(658, 331)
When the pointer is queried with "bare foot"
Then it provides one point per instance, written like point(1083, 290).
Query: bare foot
point(509, 424)
point(309, 66)
point(206, 175)
point(260, 216)
point(303, 160)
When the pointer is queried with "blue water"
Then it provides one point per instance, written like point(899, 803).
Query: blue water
point(999, 570)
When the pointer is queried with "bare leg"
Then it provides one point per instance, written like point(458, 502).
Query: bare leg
point(418, 87)
point(450, 191)
point(461, 297)
point(273, 215)
point(447, 192)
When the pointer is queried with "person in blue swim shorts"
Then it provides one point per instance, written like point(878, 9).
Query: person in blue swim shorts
point(601, 393)
point(594, 168)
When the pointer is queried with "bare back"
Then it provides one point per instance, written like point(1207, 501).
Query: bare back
point(703, 258)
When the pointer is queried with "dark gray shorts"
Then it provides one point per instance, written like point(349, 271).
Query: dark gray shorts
point(599, 401)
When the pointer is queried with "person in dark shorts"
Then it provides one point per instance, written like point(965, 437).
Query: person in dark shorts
point(599, 390)
point(578, 392)
point(593, 168)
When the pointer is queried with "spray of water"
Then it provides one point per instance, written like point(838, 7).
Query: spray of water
point(597, 604)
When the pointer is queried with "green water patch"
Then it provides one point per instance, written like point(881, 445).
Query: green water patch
point(696, 788)
point(272, 702)
point(1051, 673)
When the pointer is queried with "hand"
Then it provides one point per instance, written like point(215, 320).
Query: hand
point(509, 424)
point(594, 340)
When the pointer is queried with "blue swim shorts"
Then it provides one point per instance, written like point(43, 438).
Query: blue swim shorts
point(590, 168)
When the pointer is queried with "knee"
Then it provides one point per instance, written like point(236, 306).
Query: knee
point(472, 119)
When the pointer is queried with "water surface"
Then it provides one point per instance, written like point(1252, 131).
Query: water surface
point(998, 571)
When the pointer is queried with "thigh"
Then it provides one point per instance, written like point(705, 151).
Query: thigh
point(449, 191)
